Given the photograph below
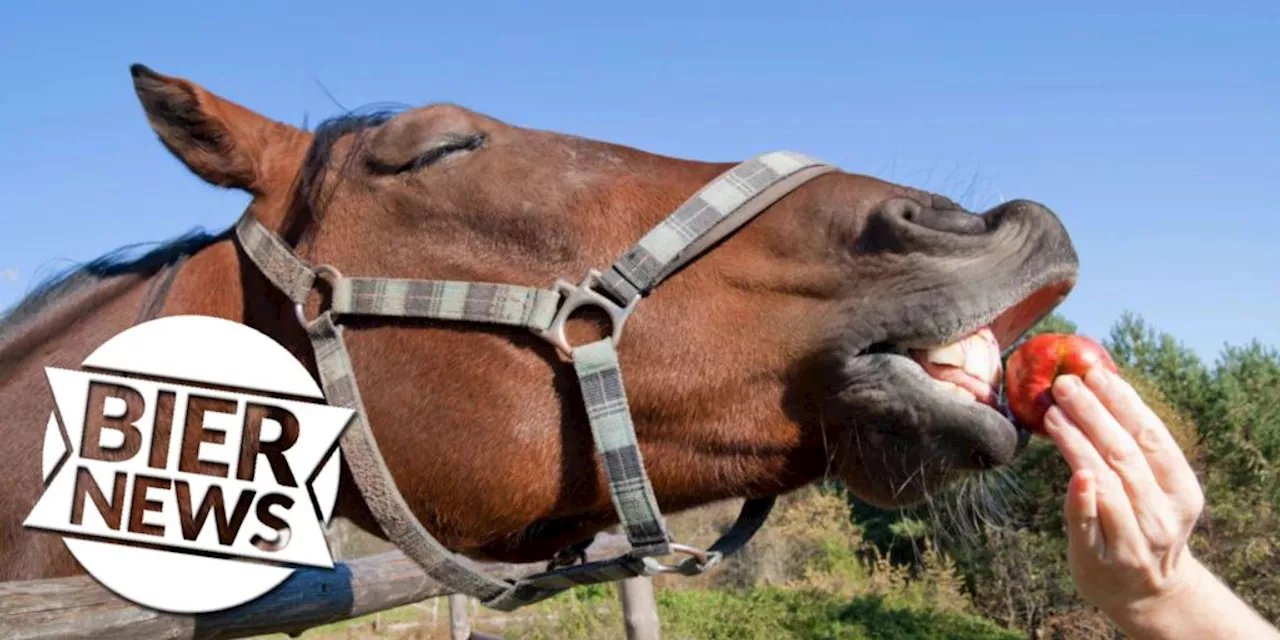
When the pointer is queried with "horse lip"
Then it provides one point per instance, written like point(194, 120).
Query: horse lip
point(1008, 322)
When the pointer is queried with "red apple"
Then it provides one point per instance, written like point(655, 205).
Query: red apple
point(1032, 368)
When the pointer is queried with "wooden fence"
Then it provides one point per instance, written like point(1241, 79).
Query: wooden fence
point(79, 607)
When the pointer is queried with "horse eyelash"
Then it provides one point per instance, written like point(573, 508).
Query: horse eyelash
point(432, 155)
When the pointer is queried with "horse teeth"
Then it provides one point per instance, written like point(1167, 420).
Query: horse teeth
point(951, 355)
point(978, 362)
point(976, 355)
point(953, 389)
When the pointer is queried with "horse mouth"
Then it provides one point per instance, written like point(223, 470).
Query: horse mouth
point(968, 366)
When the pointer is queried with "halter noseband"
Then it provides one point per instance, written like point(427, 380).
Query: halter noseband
point(715, 211)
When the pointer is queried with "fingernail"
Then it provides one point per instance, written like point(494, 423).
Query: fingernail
point(1053, 418)
point(1065, 386)
point(1098, 378)
point(1060, 418)
point(1086, 479)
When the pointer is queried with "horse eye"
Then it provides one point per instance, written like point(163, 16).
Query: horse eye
point(434, 154)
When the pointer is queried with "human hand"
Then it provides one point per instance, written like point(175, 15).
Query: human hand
point(1131, 505)
point(1133, 499)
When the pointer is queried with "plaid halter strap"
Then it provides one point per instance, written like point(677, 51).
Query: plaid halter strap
point(715, 211)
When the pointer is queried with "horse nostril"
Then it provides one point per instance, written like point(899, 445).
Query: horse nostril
point(904, 215)
point(908, 210)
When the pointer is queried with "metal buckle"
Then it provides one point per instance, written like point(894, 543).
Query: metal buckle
point(697, 563)
point(321, 271)
point(582, 295)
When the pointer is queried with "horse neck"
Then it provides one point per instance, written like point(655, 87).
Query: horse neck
point(220, 282)
point(99, 303)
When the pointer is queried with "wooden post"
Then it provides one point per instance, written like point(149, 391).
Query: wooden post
point(459, 622)
point(639, 609)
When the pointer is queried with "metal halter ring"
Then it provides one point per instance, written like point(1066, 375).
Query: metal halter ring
point(581, 295)
point(323, 272)
point(697, 562)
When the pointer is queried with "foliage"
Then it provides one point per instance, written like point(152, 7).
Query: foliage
point(770, 612)
point(826, 584)
point(1172, 367)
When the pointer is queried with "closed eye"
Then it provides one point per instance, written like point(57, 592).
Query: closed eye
point(449, 145)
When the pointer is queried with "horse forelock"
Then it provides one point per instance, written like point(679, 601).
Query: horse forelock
point(308, 207)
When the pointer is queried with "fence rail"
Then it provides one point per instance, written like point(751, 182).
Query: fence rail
point(79, 607)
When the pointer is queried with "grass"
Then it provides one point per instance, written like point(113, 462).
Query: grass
point(765, 613)
point(807, 575)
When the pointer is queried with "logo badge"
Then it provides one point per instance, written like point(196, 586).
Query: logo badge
point(191, 464)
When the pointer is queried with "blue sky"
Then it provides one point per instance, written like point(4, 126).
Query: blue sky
point(1153, 129)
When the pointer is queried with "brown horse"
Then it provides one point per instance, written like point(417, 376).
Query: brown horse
point(811, 341)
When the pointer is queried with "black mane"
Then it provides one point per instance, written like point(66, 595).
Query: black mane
point(122, 261)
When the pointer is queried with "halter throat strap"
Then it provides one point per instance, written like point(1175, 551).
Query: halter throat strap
point(715, 211)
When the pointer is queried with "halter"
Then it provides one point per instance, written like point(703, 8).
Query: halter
point(715, 211)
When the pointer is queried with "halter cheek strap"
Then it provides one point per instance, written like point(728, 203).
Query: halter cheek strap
point(711, 214)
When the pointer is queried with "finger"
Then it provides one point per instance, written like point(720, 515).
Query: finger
point(1116, 517)
point(1084, 533)
point(1076, 448)
point(1168, 463)
point(1120, 451)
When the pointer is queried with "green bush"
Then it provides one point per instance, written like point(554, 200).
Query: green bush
point(766, 613)
point(770, 613)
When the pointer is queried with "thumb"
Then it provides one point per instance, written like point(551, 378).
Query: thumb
point(1084, 533)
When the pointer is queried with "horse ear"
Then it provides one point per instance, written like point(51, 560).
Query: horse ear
point(219, 140)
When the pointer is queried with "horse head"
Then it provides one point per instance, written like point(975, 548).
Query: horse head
point(854, 326)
